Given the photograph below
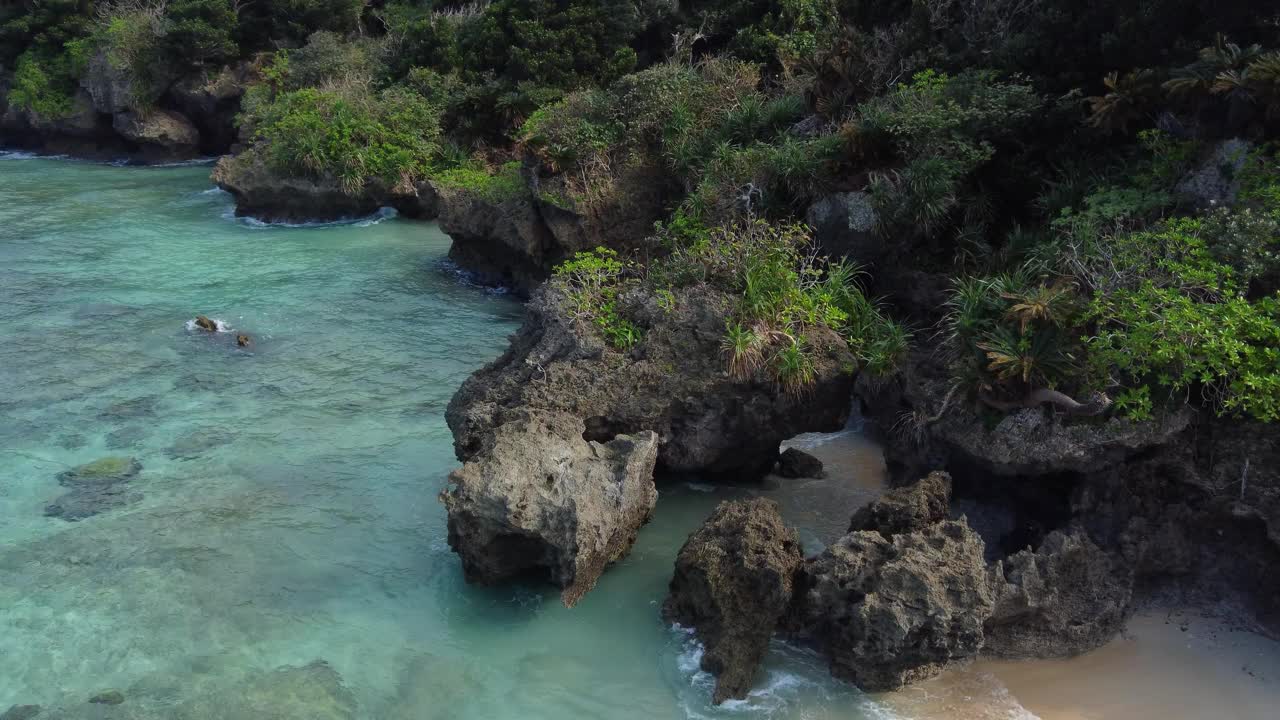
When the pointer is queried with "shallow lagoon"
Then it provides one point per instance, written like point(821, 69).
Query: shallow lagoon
point(286, 508)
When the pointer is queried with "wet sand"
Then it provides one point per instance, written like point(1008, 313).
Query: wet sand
point(1168, 665)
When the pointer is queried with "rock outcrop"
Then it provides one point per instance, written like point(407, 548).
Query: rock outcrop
point(262, 193)
point(906, 509)
point(900, 596)
point(95, 488)
point(164, 130)
point(793, 463)
point(674, 383)
point(844, 226)
point(538, 499)
point(1065, 598)
point(732, 584)
point(501, 241)
point(890, 611)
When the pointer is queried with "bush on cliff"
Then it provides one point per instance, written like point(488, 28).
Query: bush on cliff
point(350, 137)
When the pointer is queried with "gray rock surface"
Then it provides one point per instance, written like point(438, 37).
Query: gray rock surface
point(111, 89)
point(907, 509)
point(887, 612)
point(167, 130)
point(793, 463)
point(538, 499)
point(844, 226)
point(1214, 182)
point(674, 382)
point(21, 712)
point(733, 583)
point(1065, 598)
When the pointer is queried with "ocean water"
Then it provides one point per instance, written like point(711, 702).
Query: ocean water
point(281, 553)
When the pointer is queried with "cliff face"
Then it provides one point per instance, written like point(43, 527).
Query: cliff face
point(110, 117)
point(674, 382)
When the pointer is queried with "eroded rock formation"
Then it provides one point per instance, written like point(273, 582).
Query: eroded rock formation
point(540, 500)
point(732, 584)
point(674, 383)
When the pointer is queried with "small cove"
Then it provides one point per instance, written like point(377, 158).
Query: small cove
point(286, 511)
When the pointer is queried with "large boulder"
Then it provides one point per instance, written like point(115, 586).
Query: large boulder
point(732, 584)
point(163, 130)
point(674, 382)
point(890, 612)
point(1065, 598)
point(538, 499)
point(80, 120)
point(795, 463)
point(893, 604)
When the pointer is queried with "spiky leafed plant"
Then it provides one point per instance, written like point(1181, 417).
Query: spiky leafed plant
point(1044, 304)
point(1031, 359)
point(793, 368)
point(1218, 70)
point(744, 347)
point(1128, 99)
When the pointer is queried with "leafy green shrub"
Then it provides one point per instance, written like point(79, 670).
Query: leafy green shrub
point(1176, 318)
point(353, 138)
point(591, 280)
point(43, 85)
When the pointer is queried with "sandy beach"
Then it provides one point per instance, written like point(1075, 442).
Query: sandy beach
point(1168, 665)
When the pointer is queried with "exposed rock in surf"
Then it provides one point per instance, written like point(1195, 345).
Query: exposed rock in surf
point(169, 131)
point(1065, 598)
point(674, 382)
point(95, 488)
point(537, 499)
point(205, 323)
point(887, 612)
point(243, 341)
point(793, 463)
point(732, 584)
point(906, 509)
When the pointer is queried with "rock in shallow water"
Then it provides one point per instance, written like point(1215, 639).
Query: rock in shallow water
point(888, 612)
point(793, 463)
point(21, 712)
point(538, 499)
point(94, 488)
point(732, 584)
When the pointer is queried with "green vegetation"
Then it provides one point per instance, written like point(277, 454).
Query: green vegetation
point(1036, 156)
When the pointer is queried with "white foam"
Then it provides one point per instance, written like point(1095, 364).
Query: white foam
point(385, 213)
point(223, 327)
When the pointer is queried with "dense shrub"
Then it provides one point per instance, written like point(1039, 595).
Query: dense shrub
point(353, 138)
point(43, 85)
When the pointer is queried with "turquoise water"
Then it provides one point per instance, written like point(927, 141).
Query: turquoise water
point(286, 508)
